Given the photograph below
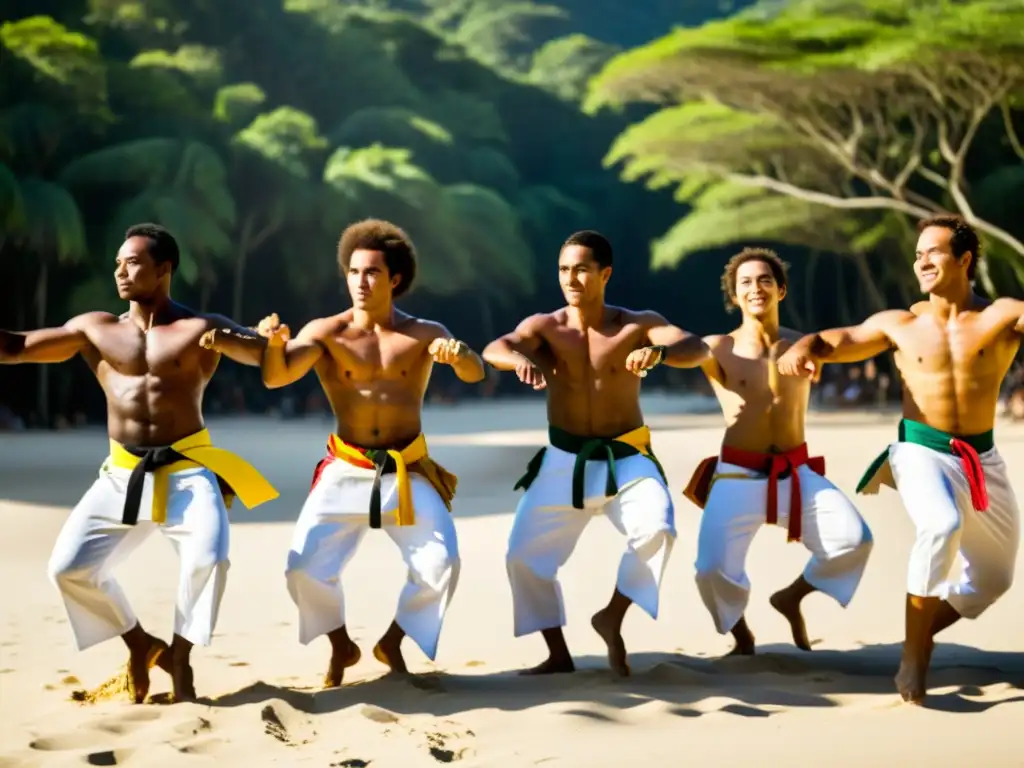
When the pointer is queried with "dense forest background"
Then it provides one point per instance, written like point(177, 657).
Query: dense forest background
point(256, 130)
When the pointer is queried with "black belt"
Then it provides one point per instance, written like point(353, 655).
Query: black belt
point(386, 465)
point(151, 460)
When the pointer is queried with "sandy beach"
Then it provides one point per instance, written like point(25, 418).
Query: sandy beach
point(683, 705)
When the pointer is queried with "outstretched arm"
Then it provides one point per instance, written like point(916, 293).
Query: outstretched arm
point(241, 344)
point(446, 349)
point(288, 360)
point(48, 345)
point(841, 345)
point(679, 348)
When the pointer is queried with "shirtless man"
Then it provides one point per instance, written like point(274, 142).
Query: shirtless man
point(590, 357)
point(374, 362)
point(763, 473)
point(953, 351)
point(162, 473)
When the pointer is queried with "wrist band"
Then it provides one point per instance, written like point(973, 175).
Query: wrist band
point(661, 349)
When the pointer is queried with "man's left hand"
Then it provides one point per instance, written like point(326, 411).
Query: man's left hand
point(447, 351)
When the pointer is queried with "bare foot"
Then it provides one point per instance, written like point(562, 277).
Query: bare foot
point(551, 666)
point(140, 660)
point(389, 652)
point(783, 602)
point(745, 645)
point(341, 659)
point(609, 630)
point(910, 681)
point(182, 688)
point(912, 677)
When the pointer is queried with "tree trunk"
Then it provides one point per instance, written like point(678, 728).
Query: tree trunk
point(486, 316)
point(811, 272)
point(43, 394)
point(238, 289)
point(874, 296)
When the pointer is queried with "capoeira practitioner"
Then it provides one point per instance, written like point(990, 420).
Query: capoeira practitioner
point(763, 473)
point(952, 351)
point(374, 362)
point(161, 473)
point(590, 357)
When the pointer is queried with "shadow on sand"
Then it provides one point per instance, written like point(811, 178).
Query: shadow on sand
point(778, 677)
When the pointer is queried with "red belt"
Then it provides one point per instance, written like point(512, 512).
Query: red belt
point(774, 465)
point(971, 463)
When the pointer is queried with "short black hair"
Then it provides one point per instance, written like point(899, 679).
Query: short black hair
point(767, 256)
point(392, 241)
point(162, 245)
point(596, 242)
point(963, 239)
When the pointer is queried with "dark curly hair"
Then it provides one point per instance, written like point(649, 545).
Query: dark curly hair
point(393, 242)
point(778, 267)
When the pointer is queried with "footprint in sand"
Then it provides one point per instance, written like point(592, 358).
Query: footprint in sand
point(378, 714)
point(445, 747)
point(286, 724)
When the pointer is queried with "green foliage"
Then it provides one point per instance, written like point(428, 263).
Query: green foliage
point(238, 104)
point(53, 227)
point(565, 65)
point(824, 116)
point(64, 63)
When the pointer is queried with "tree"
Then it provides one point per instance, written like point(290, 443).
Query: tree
point(854, 106)
point(177, 183)
point(274, 157)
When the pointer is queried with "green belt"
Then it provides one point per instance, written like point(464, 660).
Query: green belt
point(608, 449)
point(921, 434)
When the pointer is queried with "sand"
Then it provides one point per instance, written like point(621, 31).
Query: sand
point(682, 706)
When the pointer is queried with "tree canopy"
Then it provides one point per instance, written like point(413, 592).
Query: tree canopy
point(812, 122)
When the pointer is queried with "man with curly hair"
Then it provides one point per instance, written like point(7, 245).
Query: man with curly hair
point(953, 351)
point(374, 363)
point(763, 473)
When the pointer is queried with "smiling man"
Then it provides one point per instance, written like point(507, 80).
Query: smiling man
point(373, 362)
point(763, 473)
point(590, 357)
point(953, 351)
point(153, 372)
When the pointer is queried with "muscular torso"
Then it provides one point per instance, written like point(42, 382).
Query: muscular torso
point(757, 419)
point(153, 381)
point(952, 370)
point(375, 380)
point(589, 391)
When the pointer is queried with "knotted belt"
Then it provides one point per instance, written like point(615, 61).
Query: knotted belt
point(966, 447)
point(607, 449)
point(775, 465)
point(413, 458)
point(240, 478)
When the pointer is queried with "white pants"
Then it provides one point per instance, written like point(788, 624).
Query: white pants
point(935, 492)
point(547, 527)
point(94, 541)
point(332, 522)
point(833, 530)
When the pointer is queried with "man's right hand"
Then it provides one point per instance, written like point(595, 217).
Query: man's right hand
point(798, 361)
point(274, 331)
point(528, 373)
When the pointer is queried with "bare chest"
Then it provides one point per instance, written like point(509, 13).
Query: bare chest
point(365, 358)
point(594, 353)
point(162, 352)
point(755, 381)
point(970, 350)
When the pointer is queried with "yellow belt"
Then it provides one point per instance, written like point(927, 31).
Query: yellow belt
point(190, 452)
point(375, 458)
